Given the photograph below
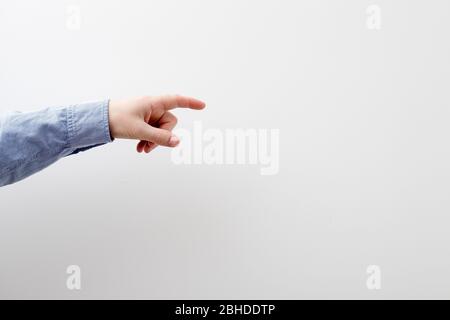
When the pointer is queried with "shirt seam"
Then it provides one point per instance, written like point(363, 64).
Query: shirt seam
point(70, 123)
point(107, 132)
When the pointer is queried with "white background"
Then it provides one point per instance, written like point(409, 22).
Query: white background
point(364, 153)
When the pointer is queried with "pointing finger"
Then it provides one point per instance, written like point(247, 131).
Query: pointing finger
point(170, 102)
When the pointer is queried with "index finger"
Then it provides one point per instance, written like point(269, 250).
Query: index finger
point(176, 101)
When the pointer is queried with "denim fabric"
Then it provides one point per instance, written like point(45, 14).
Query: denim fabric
point(31, 141)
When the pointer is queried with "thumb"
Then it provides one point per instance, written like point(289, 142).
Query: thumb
point(156, 135)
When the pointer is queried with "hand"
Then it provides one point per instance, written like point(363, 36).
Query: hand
point(148, 119)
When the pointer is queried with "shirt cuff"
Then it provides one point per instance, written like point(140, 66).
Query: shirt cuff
point(88, 124)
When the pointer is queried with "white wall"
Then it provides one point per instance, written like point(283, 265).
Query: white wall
point(364, 155)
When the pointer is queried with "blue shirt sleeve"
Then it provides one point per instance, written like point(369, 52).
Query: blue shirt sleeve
point(31, 141)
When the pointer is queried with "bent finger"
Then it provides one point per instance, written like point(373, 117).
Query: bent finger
point(168, 122)
point(159, 136)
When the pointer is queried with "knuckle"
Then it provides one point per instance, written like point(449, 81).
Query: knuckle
point(145, 99)
point(177, 98)
point(172, 118)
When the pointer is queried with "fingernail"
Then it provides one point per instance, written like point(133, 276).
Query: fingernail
point(174, 141)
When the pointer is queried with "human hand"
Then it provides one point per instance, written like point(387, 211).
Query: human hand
point(148, 119)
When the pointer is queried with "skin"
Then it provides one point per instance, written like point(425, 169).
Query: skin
point(148, 119)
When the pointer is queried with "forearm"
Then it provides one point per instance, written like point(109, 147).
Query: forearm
point(31, 141)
